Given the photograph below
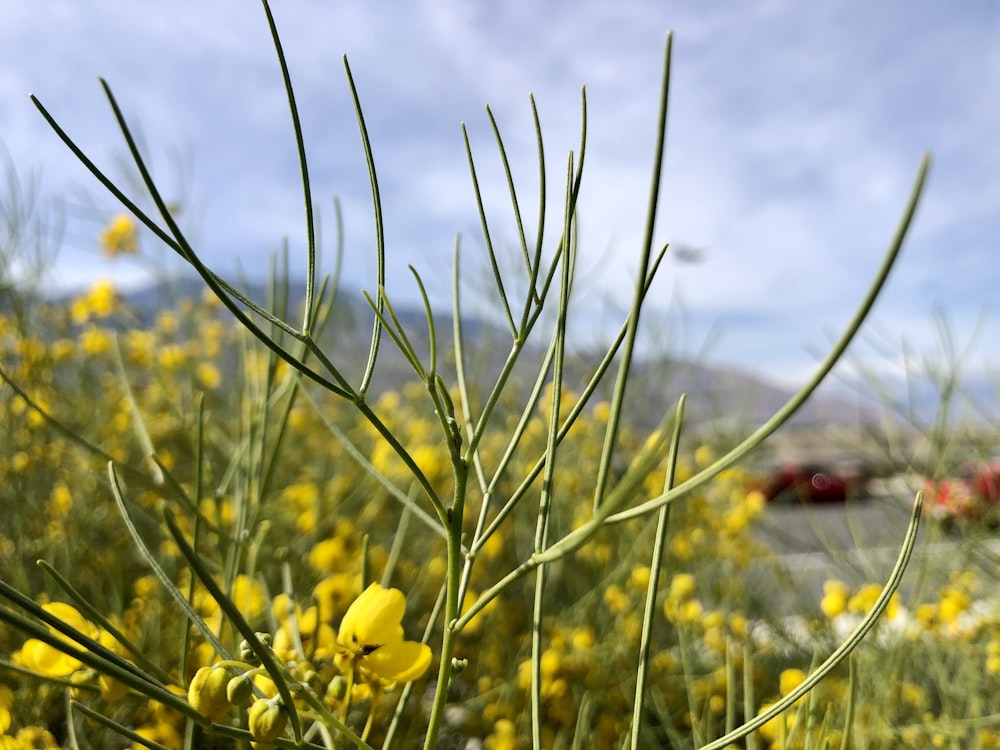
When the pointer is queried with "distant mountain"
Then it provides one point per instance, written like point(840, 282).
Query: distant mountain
point(730, 398)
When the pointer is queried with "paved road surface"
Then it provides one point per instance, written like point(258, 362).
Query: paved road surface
point(859, 543)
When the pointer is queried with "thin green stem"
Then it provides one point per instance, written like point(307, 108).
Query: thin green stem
point(341, 388)
point(300, 148)
point(491, 253)
point(588, 390)
point(451, 610)
point(652, 587)
point(158, 570)
point(379, 232)
point(545, 500)
point(632, 328)
point(535, 262)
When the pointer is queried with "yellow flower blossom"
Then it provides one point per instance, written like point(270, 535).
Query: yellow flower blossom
point(249, 596)
point(208, 375)
point(682, 586)
point(95, 341)
point(6, 701)
point(835, 596)
point(371, 638)
point(789, 680)
point(334, 592)
point(171, 357)
point(703, 456)
point(503, 737)
point(42, 658)
point(100, 301)
point(690, 612)
point(778, 728)
point(864, 599)
point(639, 577)
point(952, 603)
point(317, 638)
point(616, 600)
point(120, 237)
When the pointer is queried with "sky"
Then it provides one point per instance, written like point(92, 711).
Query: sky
point(795, 133)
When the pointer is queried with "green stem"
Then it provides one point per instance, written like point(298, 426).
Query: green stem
point(451, 605)
point(655, 565)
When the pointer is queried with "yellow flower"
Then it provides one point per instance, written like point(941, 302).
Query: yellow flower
point(778, 728)
point(953, 603)
point(690, 612)
point(504, 736)
point(100, 301)
point(95, 341)
point(119, 236)
point(42, 658)
point(171, 357)
point(790, 679)
point(682, 586)
point(703, 456)
point(864, 599)
point(616, 600)
point(6, 701)
point(316, 638)
point(249, 595)
point(208, 375)
point(334, 592)
point(329, 555)
point(639, 577)
point(371, 638)
point(835, 595)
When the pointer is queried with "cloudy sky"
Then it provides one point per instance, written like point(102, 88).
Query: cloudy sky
point(795, 133)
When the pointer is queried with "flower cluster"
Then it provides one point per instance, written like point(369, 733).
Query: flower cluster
point(366, 657)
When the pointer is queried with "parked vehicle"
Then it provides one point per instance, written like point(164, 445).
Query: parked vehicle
point(813, 484)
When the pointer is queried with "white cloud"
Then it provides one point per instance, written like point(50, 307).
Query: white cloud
point(795, 131)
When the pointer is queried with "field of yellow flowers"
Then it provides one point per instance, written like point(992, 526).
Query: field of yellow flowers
point(289, 497)
point(221, 530)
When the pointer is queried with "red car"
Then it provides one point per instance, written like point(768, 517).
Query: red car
point(972, 495)
point(812, 485)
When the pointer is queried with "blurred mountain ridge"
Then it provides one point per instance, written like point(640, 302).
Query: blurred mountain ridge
point(728, 397)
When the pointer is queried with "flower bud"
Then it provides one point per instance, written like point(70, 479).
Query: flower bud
point(267, 719)
point(247, 653)
point(337, 688)
point(239, 690)
point(207, 692)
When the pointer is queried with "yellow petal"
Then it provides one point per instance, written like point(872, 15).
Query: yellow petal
point(400, 662)
point(40, 657)
point(374, 618)
point(71, 617)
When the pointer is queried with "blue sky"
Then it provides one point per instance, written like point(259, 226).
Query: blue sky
point(795, 133)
